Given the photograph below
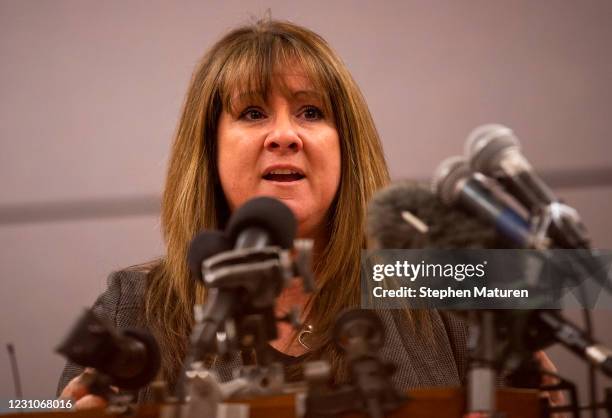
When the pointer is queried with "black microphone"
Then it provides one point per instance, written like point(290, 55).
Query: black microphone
point(130, 357)
point(495, 151)
point(205, 245)
point(260, 222)
point(241, 272)
point(456, 184)
point(360, 334)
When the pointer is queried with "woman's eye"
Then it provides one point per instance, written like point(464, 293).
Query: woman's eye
point(312, 113)
point(252, 113)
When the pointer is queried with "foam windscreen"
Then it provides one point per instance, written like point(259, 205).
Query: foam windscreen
point(266, 213)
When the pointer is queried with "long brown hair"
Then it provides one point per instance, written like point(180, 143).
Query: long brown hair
point(247, 59)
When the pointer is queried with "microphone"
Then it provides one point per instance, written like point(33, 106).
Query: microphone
point(205, 245)
point(130, 357)
point(495, 151)
point(244, 270)
point(360, 334)
point(576, 340)
point(439, 226)
point(260, 222)
point(455, 183)
point(407, 215)
point(15, 370)
point(232, 280)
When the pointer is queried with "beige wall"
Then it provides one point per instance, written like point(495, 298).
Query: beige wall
point(90, 94)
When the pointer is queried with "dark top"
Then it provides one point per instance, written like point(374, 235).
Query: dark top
point(441, 361)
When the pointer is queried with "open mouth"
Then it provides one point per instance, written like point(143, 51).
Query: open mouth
point(283, 175)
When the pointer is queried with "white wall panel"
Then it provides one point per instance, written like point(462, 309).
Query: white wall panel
point(48, 273)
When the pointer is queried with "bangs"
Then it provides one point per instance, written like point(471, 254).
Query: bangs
point(256, 65)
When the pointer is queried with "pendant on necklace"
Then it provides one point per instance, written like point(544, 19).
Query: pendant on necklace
point(304, 332)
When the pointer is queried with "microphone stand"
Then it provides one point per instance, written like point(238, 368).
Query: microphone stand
point(524, 333)
point(481, 373)
point(563, 224)
point(575, 409)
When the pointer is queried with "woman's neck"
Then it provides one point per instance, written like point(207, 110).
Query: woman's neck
point(290, 298)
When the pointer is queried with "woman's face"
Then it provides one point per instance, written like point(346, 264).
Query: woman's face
point(284, 148)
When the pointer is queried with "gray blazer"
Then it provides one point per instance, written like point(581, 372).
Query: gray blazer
point(439, 362)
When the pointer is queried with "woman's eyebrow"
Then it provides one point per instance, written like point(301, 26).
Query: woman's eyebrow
point(240, 99)
point(247, 96)
point(312, 94)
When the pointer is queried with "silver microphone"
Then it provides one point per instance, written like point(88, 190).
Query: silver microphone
point(495, 151)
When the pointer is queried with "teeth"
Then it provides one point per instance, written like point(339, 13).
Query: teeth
point(284, 171)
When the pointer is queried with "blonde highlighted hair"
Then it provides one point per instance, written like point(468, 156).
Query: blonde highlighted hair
point(246, 60)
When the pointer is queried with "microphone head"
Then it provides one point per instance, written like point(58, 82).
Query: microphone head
point(407, 215)
point(269, 214)
point(446, 177)
point(150, 365)
point(205, 245)
point(486, 144)
point(358, 323)
point(130, 357)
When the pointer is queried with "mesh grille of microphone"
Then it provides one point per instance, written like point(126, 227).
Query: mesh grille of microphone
point(151, 363)
point(448, 227)
point(269, 214)
point(205, 245)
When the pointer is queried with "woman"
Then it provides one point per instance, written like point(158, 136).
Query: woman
point(272, 110)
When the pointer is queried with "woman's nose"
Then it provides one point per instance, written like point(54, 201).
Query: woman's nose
point(283, 137)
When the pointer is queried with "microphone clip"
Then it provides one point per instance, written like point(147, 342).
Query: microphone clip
point(260, 272)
